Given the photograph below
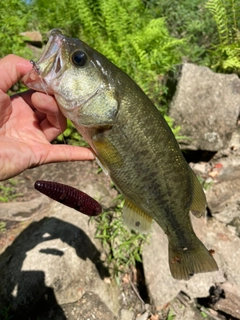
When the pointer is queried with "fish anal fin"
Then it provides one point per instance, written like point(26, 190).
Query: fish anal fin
point(185, 262)
point(135, 218)
point(198, 205)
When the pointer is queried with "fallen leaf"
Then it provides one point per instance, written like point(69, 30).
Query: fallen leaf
point(126, 278)
point(218, 166)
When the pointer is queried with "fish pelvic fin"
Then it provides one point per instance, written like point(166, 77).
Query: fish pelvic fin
point(198, 205)
point(185, 262)
point(135, 218)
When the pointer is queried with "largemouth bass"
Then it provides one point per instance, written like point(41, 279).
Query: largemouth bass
point(132, 142)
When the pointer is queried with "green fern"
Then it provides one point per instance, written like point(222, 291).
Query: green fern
point(128, 34)
point(11, 25)
point(219, 13)
point(227, 16)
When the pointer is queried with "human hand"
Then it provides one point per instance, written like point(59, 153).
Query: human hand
point(28, 122)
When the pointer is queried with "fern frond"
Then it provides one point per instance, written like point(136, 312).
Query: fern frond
point(220, 16)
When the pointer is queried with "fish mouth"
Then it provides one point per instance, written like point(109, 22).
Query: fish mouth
point(52, 53)
point(46, 74)
point(50, 66)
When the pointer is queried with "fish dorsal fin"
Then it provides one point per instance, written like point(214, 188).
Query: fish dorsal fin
point(198, 205)
point(135, 218)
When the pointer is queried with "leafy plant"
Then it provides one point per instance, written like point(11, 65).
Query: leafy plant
point(135, 41)
point(2, 226)
point(171, 315)
point(14, 18)
point(5, 313)
point(71, 136)
point(187, 19)
point(7, 192)
point(203, 314)
point(123, 247)
point(226, 54)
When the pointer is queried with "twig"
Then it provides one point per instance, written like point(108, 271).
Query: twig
point(136, 291)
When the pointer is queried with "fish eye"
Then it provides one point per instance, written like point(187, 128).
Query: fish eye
point(79, 58)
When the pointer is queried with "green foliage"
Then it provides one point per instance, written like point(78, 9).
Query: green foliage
point(187, 19)
point(123, 247)
point(7, 191)
point(71, 136)
point(48, 15)
point(171, 315)
point(3, 226)
point(5, 313)
point(205, 183)
point(175, 130)
point(226, 54)
point(124, 31)
point(135, 41)
point(14, 18)
point(203, 314)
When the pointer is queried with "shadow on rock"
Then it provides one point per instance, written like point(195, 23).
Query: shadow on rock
point(25, 288)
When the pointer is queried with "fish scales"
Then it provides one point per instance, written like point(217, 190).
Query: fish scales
point(146, 176)
point(132, 142)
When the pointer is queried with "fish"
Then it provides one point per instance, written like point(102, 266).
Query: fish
point(69, 196)
point(132, 142)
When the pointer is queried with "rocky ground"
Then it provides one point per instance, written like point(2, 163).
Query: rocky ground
point(52, 266)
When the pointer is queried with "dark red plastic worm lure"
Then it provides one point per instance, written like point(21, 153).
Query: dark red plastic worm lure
point(69, 196)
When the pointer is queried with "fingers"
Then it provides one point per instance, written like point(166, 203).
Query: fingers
point(26, 96)
point(5, 107)
point(51, 132)
point(44, 103)
point(12, 69)
point(52, 121)
point(60, 153)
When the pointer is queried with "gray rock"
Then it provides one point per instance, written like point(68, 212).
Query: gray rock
point(89, 307)
point(126, 314)
point(223, 196)
point(22, 211)
point(33, 36)
point(206, 106)
point(55, 261)
point(216, 236)
point(225, 300)
point(184, 311)
point(54, 253)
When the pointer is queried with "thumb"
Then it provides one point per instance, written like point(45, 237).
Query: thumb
point(5, 107)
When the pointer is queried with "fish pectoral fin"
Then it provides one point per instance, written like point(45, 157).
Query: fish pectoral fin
point(106, 152)
point(185, 262)
point(198, 205)
point(104, 169)
point(135, 218)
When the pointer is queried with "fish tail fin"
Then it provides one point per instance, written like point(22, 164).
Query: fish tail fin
point(185, 262)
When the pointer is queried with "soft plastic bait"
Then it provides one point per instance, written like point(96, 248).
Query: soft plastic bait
point(69, 196)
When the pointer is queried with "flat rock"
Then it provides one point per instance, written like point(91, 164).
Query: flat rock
point(33, 36)
point(223, 196)
point(216, 236)
point(56, 261)
point(89, 307)
point(206, 106)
